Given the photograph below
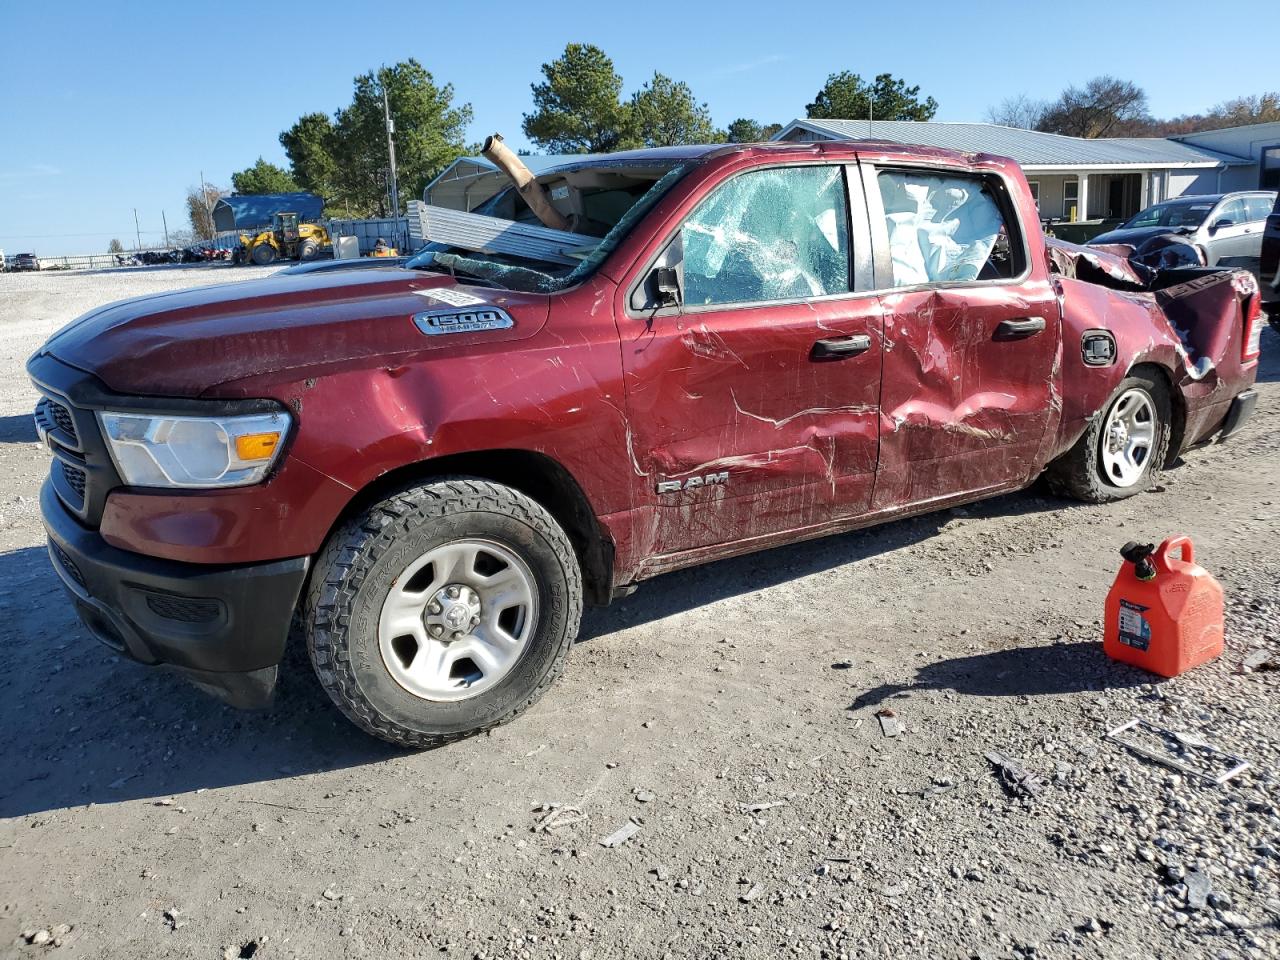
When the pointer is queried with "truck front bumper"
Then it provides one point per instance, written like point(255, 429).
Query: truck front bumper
point(222, 627)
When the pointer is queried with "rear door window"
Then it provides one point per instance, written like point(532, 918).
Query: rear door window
point(944, 228)
point(781, 233)
point(1258, 207)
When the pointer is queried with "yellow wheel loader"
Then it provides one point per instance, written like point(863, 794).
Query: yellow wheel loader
point(286, 240)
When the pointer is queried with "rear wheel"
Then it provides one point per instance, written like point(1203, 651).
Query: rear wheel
point(308, 250)
point(1123, 450)
point(443, 611)
point(263, 254)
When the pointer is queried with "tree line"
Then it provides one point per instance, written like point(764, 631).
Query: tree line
point(579, 106)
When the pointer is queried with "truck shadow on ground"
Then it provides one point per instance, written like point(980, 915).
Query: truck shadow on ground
point(1021, 671)
point(1269, 362)
point(82, 725)
point(19, 428)
point(678, 592)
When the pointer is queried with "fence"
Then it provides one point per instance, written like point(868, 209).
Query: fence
point(394, 231)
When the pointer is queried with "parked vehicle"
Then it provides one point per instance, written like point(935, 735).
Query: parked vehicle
point(1222, 226)
point(24, 261)
point(735, 347)
point(1269, 266)
point(287, 239)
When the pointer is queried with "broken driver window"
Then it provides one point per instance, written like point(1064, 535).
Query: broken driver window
point(943, 228)
point(775, 234)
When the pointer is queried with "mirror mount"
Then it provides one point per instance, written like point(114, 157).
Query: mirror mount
point(666, 286)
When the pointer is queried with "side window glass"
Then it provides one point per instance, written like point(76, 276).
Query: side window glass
point(943, 228)
point(1258, 208)
point(775, 234)
point(1233, 211)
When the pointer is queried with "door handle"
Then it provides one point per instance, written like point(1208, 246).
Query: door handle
point(837, 348)
point(1020, 328)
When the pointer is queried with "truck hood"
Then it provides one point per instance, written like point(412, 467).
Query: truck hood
point(183, 343)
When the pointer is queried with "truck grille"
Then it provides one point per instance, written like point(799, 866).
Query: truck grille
point(76, 480)
point(53, 416)
point(67, 564)
point(184, 609)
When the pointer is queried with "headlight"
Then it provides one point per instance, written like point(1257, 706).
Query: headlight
point(165, 451)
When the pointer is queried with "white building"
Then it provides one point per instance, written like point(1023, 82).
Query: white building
point(1077, 179)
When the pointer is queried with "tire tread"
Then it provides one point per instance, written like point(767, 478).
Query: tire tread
point(349, 554)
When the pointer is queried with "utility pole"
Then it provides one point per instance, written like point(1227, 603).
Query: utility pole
point(137, 231)
point(166, 228)
point(391, 155)
point(208, 208)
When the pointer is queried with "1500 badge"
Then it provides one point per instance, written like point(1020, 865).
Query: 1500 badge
point(710, 479)
point(436, 322)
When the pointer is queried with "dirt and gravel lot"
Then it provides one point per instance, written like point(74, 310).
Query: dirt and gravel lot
point(729, 711)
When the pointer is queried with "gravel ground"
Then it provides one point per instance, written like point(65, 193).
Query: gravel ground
point(729, 712)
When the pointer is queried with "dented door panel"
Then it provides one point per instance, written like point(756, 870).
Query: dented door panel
point(962, 408)
point(736, 395)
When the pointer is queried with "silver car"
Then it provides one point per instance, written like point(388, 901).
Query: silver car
point(1223, 226)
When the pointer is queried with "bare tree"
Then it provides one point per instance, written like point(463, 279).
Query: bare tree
point(200, 210)
point(1104, 107)
point(1018, 111)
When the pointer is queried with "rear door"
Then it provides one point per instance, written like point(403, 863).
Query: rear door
point(753, 402)
point(972, 332)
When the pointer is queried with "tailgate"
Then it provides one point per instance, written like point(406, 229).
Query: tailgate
point(1217, 315)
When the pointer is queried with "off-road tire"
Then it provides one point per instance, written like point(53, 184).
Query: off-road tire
point(1078, 473)
point(263, 254)
point(308, 250)
point(362, 559)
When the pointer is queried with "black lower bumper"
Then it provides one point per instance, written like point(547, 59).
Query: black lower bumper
point(223, 627)
point(1241, 409)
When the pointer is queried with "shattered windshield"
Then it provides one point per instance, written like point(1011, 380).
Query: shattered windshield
point(609, 214)
point(1177, 213)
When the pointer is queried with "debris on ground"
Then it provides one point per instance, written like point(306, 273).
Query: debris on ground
point(1259, 661)
point(1186, 752)
point(762, 806)
point(621, 835)
point(556, 816)
point(889, 723)
point(1014, 777)
point(752, 892)
point(1199, 887)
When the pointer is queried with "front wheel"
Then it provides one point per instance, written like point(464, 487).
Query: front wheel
point(443, 611)
point(263, 254)
point(1123, 449)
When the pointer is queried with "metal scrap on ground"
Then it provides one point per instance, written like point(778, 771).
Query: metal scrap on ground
point(890, 726)
point(1186, 753)
point(1014, 777)
point(621, 835)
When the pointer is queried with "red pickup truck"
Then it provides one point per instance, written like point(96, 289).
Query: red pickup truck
point(428, 469)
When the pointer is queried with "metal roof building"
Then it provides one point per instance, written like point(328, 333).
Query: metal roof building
point(1072, 178)
point(239, 212)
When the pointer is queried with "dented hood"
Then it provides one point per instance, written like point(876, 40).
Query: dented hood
point(186, 342)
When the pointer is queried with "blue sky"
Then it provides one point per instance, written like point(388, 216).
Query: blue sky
point(109, 107)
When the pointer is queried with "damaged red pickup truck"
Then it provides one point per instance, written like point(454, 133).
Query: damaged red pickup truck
point(718, 349)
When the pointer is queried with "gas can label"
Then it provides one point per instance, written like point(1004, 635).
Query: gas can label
point(1134, 630)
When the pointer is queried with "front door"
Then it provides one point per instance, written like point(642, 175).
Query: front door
point(1230, 234)
point(971, 337)
point(754, 403)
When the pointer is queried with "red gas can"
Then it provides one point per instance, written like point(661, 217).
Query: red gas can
point(1163, 614)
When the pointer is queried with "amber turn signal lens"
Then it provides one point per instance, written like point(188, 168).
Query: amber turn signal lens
point(256, 446)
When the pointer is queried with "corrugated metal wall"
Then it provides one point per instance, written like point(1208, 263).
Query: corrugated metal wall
point(368, 232)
